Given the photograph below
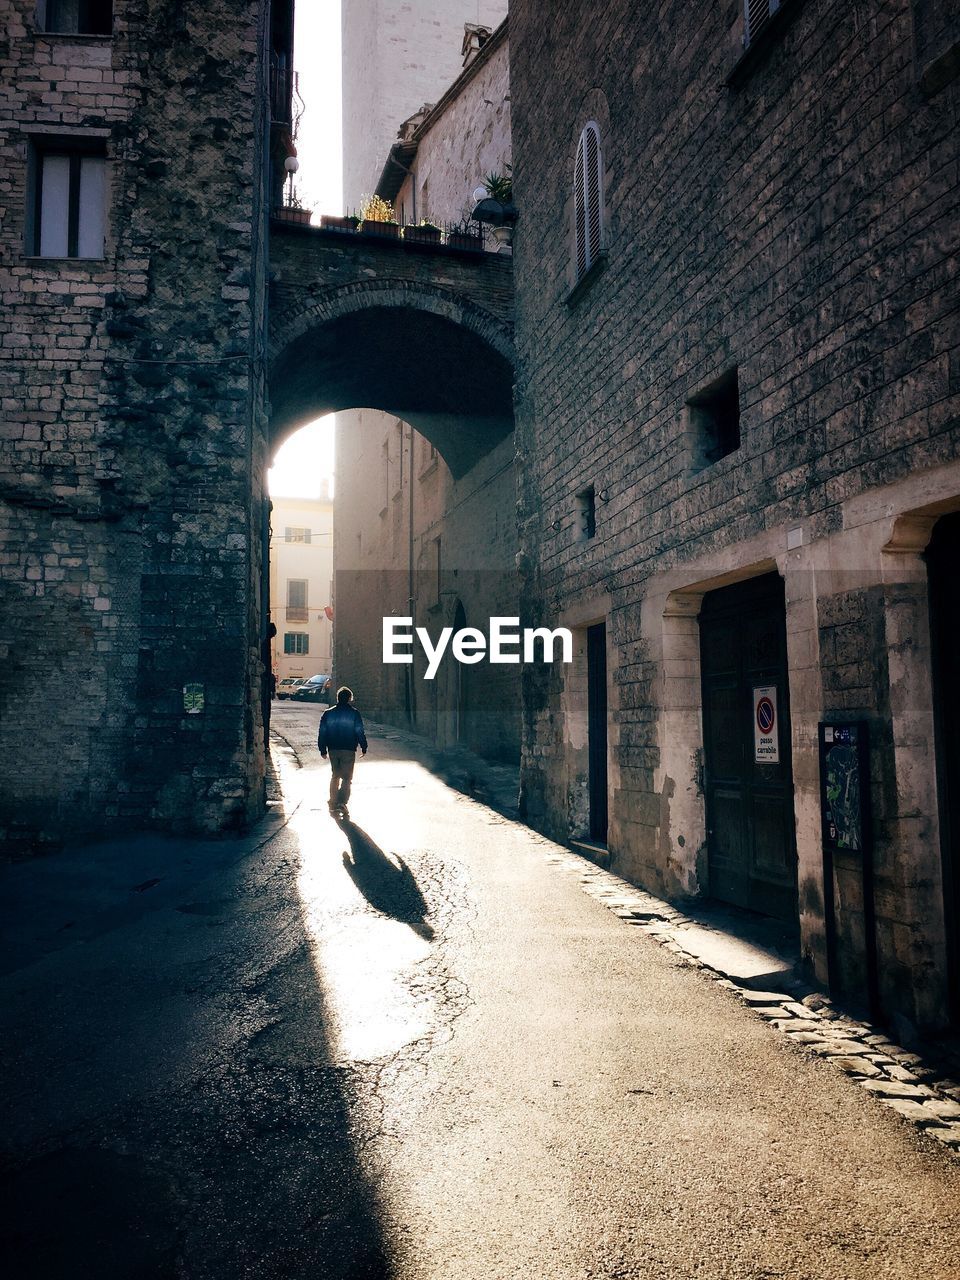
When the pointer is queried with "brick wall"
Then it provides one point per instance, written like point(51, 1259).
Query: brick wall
point(132, 438)
point(796, 223)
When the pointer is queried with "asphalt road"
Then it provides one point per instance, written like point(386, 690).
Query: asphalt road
point(411, 1047)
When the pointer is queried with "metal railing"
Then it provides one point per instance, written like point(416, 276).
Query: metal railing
point(470, 237)
point(284, 92)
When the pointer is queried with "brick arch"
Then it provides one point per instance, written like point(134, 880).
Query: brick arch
point(322, 305)
point(426, 352)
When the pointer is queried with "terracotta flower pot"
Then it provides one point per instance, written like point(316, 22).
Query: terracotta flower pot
point(385, 230)
point(421, 235)
point(463, 240)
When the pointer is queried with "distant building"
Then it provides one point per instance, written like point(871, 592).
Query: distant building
point(396, 55)
point(420, 539)
point(411, 539)
point(301, 585)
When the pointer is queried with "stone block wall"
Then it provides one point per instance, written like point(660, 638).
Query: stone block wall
point(788, 214)
point(132, 431)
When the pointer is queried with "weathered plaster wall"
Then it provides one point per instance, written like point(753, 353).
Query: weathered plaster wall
point(466, 139)
point(397, 55)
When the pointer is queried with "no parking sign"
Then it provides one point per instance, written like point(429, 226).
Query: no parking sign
point(766, 731)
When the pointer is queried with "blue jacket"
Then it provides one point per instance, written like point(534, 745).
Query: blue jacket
point(341, 729)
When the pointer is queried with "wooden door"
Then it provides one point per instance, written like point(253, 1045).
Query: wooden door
point(597, 729)
point(748, 781)
point(943, 559)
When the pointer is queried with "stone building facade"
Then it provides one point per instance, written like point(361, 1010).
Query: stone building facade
point(301, 585)
point(397, 55)
point(134, 169)
point(413, 537)
point(738, 359)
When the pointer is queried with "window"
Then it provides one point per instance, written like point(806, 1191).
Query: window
point(396, 463)
point(588, 199)
point(296, 600)
point(77, 17)
point(291, 534)
point(296, 642)
point(587, 514)
point(436, 543)
point(68, 217)
point(714, 421)
point(756, 14)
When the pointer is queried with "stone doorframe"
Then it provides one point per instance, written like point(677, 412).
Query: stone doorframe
point(578, 617)
point(670, 621)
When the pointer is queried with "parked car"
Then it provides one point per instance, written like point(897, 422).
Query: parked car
point(317, 689)
point(286, 686)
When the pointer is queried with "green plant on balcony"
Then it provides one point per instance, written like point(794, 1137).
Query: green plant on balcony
point(378, 217)
point(424, 232)
point(499, 186)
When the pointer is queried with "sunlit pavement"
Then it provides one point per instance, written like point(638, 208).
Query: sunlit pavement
point(408, 1045)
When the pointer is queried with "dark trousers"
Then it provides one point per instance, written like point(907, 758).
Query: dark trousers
point(341, 775)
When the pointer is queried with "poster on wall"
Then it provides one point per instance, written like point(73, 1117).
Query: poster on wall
point(843, 786)
point(766, 727)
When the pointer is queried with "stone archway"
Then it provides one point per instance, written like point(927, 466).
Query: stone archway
point(439, 362)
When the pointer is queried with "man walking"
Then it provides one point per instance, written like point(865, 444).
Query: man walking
point(341, 732)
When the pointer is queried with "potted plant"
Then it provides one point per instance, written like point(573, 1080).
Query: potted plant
point(462, 236)
point(333, 222)
point(423, 233)
point(377, 218)
point(497, 209)
point(499, 186)
point(293, 210)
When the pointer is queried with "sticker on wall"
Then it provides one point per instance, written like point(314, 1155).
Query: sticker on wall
point(766, 730)
point(193, 699)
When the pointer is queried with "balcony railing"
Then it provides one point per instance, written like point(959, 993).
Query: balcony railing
point(284, 91)
point(297, 613)
point(474, 237)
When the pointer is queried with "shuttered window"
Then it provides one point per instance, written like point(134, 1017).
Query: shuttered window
point(588, 199)
point(756, 13)
point(69, 205)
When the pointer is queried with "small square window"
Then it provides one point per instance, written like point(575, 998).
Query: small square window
point(77, 17)
point(587, 514)
point(68, 214)
point(714, 421)
point(296, 642)
point(292, 534)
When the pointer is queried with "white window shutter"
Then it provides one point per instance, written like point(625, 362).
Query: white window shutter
point(588, 199)
point(92, 200)
point(594, 194)
point(755, 14)
point(579, 210)
point(54, 205)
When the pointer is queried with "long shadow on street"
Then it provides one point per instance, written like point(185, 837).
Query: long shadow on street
point(171, 1107)
point(386, 882)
